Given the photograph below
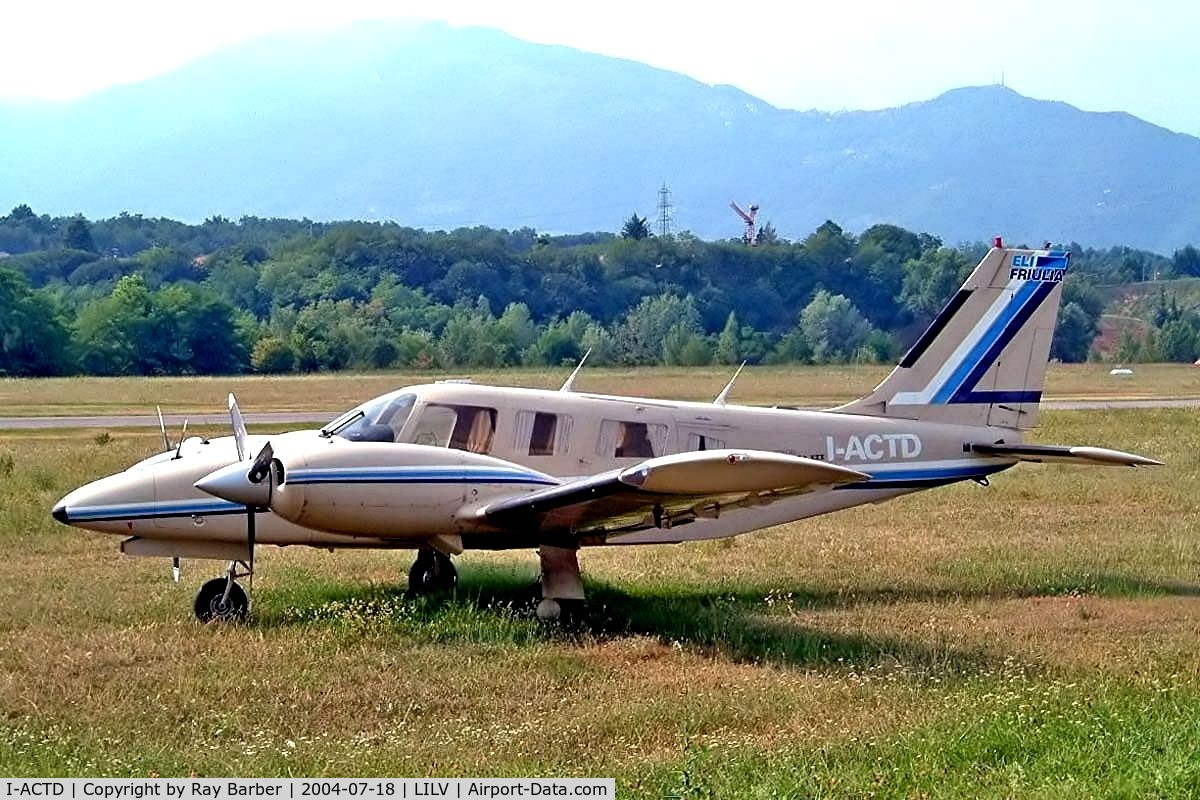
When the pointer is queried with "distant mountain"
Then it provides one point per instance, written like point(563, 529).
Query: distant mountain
point(440, 127)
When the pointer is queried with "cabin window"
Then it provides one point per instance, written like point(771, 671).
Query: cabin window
point(470, 428)
point(702, 441)
point(625, 439)
point(541, 434)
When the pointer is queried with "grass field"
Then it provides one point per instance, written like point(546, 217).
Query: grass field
point(786, 385)
point(1037, 638)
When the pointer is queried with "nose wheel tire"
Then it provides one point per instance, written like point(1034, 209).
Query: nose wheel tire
point(431, 572)
point(212, 605)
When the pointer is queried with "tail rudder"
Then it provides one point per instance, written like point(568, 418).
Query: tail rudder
point(982, 361)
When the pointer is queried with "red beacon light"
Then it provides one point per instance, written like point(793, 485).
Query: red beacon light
point(998, 242)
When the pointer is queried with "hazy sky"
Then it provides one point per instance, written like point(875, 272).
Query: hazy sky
point(1100, 55)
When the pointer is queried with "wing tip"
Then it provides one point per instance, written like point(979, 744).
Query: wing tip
point(1103, 455)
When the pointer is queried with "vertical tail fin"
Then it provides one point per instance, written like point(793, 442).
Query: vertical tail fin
point(982, 361)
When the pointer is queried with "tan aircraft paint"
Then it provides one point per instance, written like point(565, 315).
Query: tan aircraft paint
point(331, 492)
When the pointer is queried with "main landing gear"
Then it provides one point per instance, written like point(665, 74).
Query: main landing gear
point(559, 577)
point(431, 572)
point(223, 599)
point(560, 580)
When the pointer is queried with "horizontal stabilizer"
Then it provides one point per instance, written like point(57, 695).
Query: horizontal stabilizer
point(1045, 453)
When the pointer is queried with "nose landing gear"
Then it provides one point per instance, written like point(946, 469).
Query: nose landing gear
point(223, 599)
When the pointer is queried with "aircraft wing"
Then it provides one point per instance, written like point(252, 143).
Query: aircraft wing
point(665, 491)
point(1046, 453)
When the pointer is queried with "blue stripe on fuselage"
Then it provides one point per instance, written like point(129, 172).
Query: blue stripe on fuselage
point(924, 477)
point(180, 508)
point(417, 475)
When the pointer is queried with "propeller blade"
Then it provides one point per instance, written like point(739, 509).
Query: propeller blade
point(262, 464)
point(239, 427)
point(162, 428)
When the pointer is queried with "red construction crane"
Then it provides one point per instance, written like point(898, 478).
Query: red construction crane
point(749, 236)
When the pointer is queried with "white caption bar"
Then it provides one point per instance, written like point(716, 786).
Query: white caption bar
point(303, 788)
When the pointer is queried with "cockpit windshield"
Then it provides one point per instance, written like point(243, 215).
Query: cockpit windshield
point(379, 420)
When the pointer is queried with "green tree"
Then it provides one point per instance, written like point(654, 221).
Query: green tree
point(200, 333)
point(416, 349)
point(1132, 347)
point(177, 330)
point(829, 246)
point(792, 348)
point(602, 344)
point(78, 235)
point(554, 347)
point(32, 338)
point(896, 243)
point(469, 338)
point(834, 328)
point(1187, 261)
point(514, 333)
point(332, 335)
point(728, 343)
point(1177, 341)
point(646, 329)
point(767, 235)
point(879, 348)
point(21, 213)
point(235, 280)
point(635, 228)
point(115, 333)
point(1078, 320)
point(163, 265)
point(272, 355)
point(931, 279)
point(561, 342)
point(1073, 334)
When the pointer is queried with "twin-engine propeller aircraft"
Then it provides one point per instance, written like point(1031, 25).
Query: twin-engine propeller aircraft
point(453, 466)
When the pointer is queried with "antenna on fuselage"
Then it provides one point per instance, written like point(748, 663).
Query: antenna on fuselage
point(724, 395)
point(569, 382)
point(162, 428)
point(182, 437)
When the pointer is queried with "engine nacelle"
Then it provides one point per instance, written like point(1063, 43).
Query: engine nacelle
point(390, 490)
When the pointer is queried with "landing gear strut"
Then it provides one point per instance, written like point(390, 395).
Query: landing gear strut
point(560, 580)
point(222, 599)
point(431, 572)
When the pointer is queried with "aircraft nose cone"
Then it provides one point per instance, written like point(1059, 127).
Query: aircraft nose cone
point(231, 483)
point(60, 513)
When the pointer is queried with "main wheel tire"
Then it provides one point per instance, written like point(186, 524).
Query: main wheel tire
point(211, 606)
point(432, 572)
point(549, 610)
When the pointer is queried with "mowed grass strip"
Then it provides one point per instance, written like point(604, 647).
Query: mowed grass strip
point(1033, 638)
point(333, 392)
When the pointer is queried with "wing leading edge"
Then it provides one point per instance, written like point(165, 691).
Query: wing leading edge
point(665, 491)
